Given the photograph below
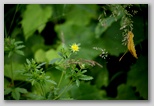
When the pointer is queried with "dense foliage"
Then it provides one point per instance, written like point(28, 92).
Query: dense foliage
point(72, 52)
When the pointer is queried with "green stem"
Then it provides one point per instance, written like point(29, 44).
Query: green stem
point(60, 79)
point(63, 90)
point(43, 93)
point(12, 79)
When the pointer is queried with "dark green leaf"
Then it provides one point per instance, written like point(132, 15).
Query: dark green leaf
point(10, 54)
point(125, 92)
point(7, 91)
point(18, 42)
point(15, 94)
point(86, 92)
point(138, 76)
point(21, 90)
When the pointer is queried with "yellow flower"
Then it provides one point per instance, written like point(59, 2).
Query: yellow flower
point(75, 47)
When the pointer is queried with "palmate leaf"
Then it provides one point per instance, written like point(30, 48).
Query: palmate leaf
point(138, 76)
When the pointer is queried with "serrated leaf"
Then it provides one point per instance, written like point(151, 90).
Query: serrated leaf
point(22, 90)
point(138, 76)
point(7, 91)
point(15, 94)
point(34, 18)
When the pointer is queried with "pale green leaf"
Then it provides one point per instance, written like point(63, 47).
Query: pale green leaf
point(40, 55)
point(51, 54)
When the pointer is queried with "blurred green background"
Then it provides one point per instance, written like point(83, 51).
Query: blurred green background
point(45, 27)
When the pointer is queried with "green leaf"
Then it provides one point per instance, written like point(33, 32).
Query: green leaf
point(21, 90)
point(51, 81)
point(7, 91)
point(77, 83)
point(15, 94)
point(60, 54)
point(18, 42)
point(87, 11)
point(35, 18)
point(101, 75)
point(41, 65)
point(84, 71)
point(85, 77)
point(32, 96)
point(86, 92)
point(19, 52)
point(10, 54)
point(17, 71)
point(105, 23)
point(40, 55)
point(55, 60)
point(125, 92)
point(27, 60)
point(51, 54)
point(138, 76)
point(20, 46)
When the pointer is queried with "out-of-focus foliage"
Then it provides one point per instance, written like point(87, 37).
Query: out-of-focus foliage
point(45, 32)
